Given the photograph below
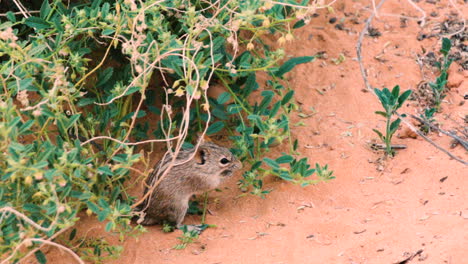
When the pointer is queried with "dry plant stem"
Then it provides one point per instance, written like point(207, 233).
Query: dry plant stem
point(359, 46)
point(129, 143)
point(20, 13)
point(382, 146)
point(374, 9)
point(415, 130)
point(48, 242)
point(457, 138)
point(423, 17)
point(463, 18)
point(30, 253)
point(22, 9)
point(391, 15)
point(5, 261)
point(4, 210)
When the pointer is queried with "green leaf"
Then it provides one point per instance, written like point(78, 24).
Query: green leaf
point(223, 98)
point(233, 109)
point(256, 119)
point(14, 122)
point(32, 208)
point(383, 99)
point(5, 25)
point(275, 109)
point(85, 101)
point(284, 159)
point(299, 24)
point(267, 98)
point(446, 46)
point(24, 127)
point(109, 226)
point(107, 32)
point(381, 113)
point(396, 91)
point(25, 84)
point(40, 164)
point(45, 9)
point(286, 176)
point(11, 16)
point(105, 9)
point(102, 215)
point(72, 234)
point(58, 22)
point(37, 23)
point(104, 76)
point(378, 133)
point(287, 97)
point(291, 63)
point(41, 258)
point(121, 158)
point(391, 100)
point(403, 97)
point(272, 163)
point(215, 127)
point(72, 120)
point(93, 207)
point(132, 89)
point(36, 50)
point(105, 170)
point(394, 126)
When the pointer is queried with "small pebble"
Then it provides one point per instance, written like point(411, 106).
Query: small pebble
point(339, 26)
point(332, 20)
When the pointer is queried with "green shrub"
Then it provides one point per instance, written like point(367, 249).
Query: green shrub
point(82, 84)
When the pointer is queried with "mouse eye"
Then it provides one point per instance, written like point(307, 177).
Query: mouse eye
point(224, 161)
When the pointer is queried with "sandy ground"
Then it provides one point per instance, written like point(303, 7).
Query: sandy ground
point(414, 204)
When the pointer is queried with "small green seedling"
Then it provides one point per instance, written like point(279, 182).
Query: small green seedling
point(438, 87)
point(167, 228)
point(391, 102)
point(428, 116)
point(188, 237)
point(323, 172)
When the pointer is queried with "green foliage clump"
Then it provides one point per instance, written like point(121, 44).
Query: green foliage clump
point(83, 84)
point(438, 87)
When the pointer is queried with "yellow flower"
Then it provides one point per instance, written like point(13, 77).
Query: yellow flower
point(179, 92)
point(281, 41)
point(204, 84)
point(38, 175)
point(197, 95)
point(28, 180)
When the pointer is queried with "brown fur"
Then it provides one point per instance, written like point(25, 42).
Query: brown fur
point(169, 200)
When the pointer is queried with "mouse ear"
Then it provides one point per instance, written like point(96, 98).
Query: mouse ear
point(201, 155)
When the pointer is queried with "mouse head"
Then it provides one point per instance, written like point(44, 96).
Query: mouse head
point(216, 160)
